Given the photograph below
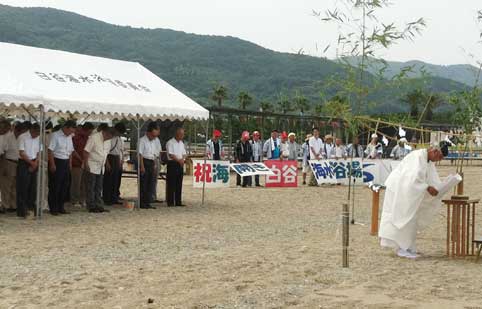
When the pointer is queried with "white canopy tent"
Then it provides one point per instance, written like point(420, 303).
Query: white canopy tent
point(43, 82)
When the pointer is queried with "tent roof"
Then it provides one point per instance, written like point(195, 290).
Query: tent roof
point(74, 84)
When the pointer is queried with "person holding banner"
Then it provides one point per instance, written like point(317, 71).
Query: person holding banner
point(400, 150)
point(306, 157)
point(257, 150)
point(176, 155)
point(355, 150)
point(328, 147)
point(214, 147)
point(284, 146)
point(271, 147)
point(339, 151)
point(374, 149)
point(243, 154)
point(316, 151)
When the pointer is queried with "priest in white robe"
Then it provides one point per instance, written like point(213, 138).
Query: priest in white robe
point(412, 199)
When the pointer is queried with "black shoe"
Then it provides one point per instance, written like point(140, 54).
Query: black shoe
point(101, 209)
point(145, 207)
point(304, 182)
point(258, 185)
point(108, 204)
point(54, 213)
point(64, 212)
point(2, 211)
point(11, 210)
point(94, 210)
point(181, 205)
point(170, 205)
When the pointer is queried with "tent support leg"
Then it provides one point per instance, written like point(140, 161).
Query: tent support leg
point(138, 204)
point(205, 158)
point(40, 169)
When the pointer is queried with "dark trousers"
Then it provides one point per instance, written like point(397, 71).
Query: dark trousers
point(112, 180)
point(175, 174)
point(93, 187)
point(59, 183)
point(147, 182)
point(256, 177)
point(26, 188)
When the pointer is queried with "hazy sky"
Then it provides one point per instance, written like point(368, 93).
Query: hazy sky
point(288, 25)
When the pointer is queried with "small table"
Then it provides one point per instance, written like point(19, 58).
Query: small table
point(460, 227)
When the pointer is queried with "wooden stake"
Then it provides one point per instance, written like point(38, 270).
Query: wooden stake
point(346, 233)
point(375, 210)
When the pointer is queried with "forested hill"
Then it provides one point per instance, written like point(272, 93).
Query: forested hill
point(192, 63)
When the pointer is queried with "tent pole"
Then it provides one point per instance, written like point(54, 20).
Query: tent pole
point(40, 167)
point(205, 158)
point(138, 205)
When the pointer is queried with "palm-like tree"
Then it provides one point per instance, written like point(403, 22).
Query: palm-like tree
point(301, 103)
point(244, 99)
point(266, 107)
point(285, 104)
point(220, 93)
point(414, 99)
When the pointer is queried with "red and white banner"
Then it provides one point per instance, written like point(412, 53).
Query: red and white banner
point(285, 173)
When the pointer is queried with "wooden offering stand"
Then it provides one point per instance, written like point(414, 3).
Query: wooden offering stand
point(460, 225)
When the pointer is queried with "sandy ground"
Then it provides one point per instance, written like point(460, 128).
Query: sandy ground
point(245, 248)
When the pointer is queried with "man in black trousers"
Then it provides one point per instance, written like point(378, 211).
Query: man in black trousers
point(243, 154)
point(176, 155)
point(27, 167)
point(113, 167)
point(149, 149)
point(60, 164)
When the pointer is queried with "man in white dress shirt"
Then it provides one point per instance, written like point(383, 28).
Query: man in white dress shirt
point(113, 167)
point(149, 150)
point(60, 165)
point(95, 156)
point(316, 151)
point(176, 155)
point(9, 177)
point(27, 167)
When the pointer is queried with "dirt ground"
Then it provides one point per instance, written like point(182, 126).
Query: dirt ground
point(245, 248)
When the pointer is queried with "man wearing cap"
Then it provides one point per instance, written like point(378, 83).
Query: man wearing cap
point(374, 148)
point(400, 150)
point(328, 147)
point(214, 147)
point(293, 147)
point(306, 157)
point(243, 154)
point(257, 149)
point(60, 165)
point(271, 147)
point(284, 146)
point(412, 199)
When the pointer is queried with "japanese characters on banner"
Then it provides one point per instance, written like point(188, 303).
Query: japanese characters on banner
point(215, 174)
point(251, 169)
point(285, 173)
point(338, 171)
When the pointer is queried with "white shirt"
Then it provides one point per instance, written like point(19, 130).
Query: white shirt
point(11, 146)
point(175, 148)
point(61, 145)
point(98, 150)
point(339, 152)
point(29, 145)
point(149, 149)
point(317, 145)
point(117, 146)
point(328, 150)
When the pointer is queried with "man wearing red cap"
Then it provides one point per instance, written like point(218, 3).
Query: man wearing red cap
point(214, 147)
point(243, 154)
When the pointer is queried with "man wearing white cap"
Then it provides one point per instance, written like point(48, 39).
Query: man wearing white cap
point(293, 147)
point(400, 150)
point(328, 147)
point(374, 148)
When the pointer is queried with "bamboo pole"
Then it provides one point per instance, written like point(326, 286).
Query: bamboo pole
point(346, 234)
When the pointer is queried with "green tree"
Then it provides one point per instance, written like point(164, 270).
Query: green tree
point(266, 106)
point(414, 100)
point(244, 99)
point(284, 104)
point(301, 103)
point(220, 93)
